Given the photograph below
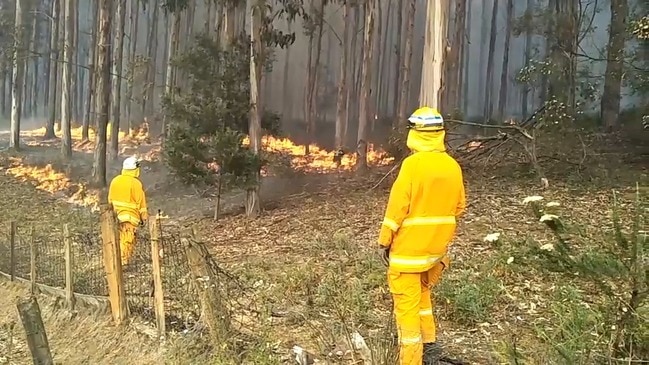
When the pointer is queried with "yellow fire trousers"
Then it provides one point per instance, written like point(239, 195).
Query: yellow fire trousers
point(413, 309)
point(126, 241)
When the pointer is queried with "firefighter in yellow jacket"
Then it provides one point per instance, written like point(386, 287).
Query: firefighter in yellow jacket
point(129, 202)
point(419, 224)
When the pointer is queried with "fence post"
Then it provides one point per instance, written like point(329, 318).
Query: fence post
point(113, 264)
point(30, 315)
point(12, 253)
point(214, 310)
point(33, 253)
point(158, 294)
point(69, 265)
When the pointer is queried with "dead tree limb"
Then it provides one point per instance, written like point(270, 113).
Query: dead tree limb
point(30, 315)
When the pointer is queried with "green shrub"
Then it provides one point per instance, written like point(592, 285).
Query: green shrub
point(469, 298)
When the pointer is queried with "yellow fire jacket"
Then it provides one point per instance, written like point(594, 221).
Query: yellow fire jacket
point(127, 197)
point(425, 199)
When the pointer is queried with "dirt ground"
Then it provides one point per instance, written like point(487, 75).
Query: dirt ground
point(310, 258)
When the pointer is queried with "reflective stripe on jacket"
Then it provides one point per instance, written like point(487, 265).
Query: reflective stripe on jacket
point(426, 198)
point(127, 197)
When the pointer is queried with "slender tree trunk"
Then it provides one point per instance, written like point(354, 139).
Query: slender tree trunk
point(133, 31)
point(488, 101)
point(208, 16)
point(147, 102)
point(103, 95)
point(466, 62)
point(527, 57)
point(366, 84)
point(434, 49)
point(398, 64)
point(92, 74)
point(53, 73)
point(253, 199)
point(17, 86)
point(3, 88)
point(610, 106)
point(406, 64)
point(171, 72)
point(341, 100)
point(504, 81)
point(287, 99)
point(117, 78)
point(310, 83)
point(66, 102)
point(377, 64)
point(36, 77)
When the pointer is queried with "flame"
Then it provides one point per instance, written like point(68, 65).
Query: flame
point(318, 158)
point(54, 182)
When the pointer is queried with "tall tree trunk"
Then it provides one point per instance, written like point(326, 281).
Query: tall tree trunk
point(152, 40)
point(377, 64)
point(287, 98)
point(171, 72)
point(133, 32)
point(55, 42)
point(406, 64)
point(208, 16)
point(66, 96)
point(36, 77)
point(488, 100)
point(117, 78)
point(453, 70)
point(386, 53)
point(76, 86)
point(504, 81)
point(3, 87)
point(17, 91)
point(398, 64)
point(434, 50)
point(103, 95)
point(526, 61)
point(92, 71)
point(312, 77)
point(610, 105)
point(310, 81)
point(366, 84)
point(466, 62)
point(341, 100)
point(253, 199)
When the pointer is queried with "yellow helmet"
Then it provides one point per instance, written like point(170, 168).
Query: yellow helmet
point(426, 119)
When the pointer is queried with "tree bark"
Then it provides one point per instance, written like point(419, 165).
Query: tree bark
point(488, 100)
point(103, 97)
point(434, 52)
point(92, 72)
point(53, 69)
point(171, 53)
point(253, 199)
point(17, 87)
point(406, 64)
point(610, 105)
point(504, 81)
point(133, 32)
point(117, 78)
point(366, 84)
point(399, 63)
point(527, 58)
point(66, 101)
point(341, 99)
point(152, 40)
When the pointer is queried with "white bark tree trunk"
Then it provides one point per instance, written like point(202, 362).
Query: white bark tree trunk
point(434, 50)
point(117, 78)
point(18, 77)
point(66, 96)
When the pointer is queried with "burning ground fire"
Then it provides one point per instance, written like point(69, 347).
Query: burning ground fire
point(58, 183)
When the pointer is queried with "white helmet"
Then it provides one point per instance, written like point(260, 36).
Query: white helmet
point(130, 163)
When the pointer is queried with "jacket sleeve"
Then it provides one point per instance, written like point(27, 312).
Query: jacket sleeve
point(398, 204)
point(461, 203)
point(140, 200)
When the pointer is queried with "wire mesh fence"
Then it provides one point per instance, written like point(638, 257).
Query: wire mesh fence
point(89, 278)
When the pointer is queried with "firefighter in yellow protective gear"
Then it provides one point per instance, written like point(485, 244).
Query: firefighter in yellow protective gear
point(129, 203)
point(419, 224)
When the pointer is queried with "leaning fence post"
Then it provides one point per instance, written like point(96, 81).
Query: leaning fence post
point(30, 315)
point(32, 260)
point(158, 295)
point(69, 277)
point(113, 264)
point(214, 311)
point(12, 253)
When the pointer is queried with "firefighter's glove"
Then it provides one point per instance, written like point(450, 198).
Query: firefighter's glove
point(384, 255)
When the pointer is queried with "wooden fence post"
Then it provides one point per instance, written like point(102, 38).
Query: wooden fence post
point(69, 265)
point(113, 264)
point(213, 310)
point(158, 294)
point(33, 255)
point(12, 253)
point(30, 315)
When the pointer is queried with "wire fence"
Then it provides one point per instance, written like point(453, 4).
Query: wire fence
point(89, 278)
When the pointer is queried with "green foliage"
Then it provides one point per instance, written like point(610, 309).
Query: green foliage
point(470, 298)
point(204, 143)
point(615, 270)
